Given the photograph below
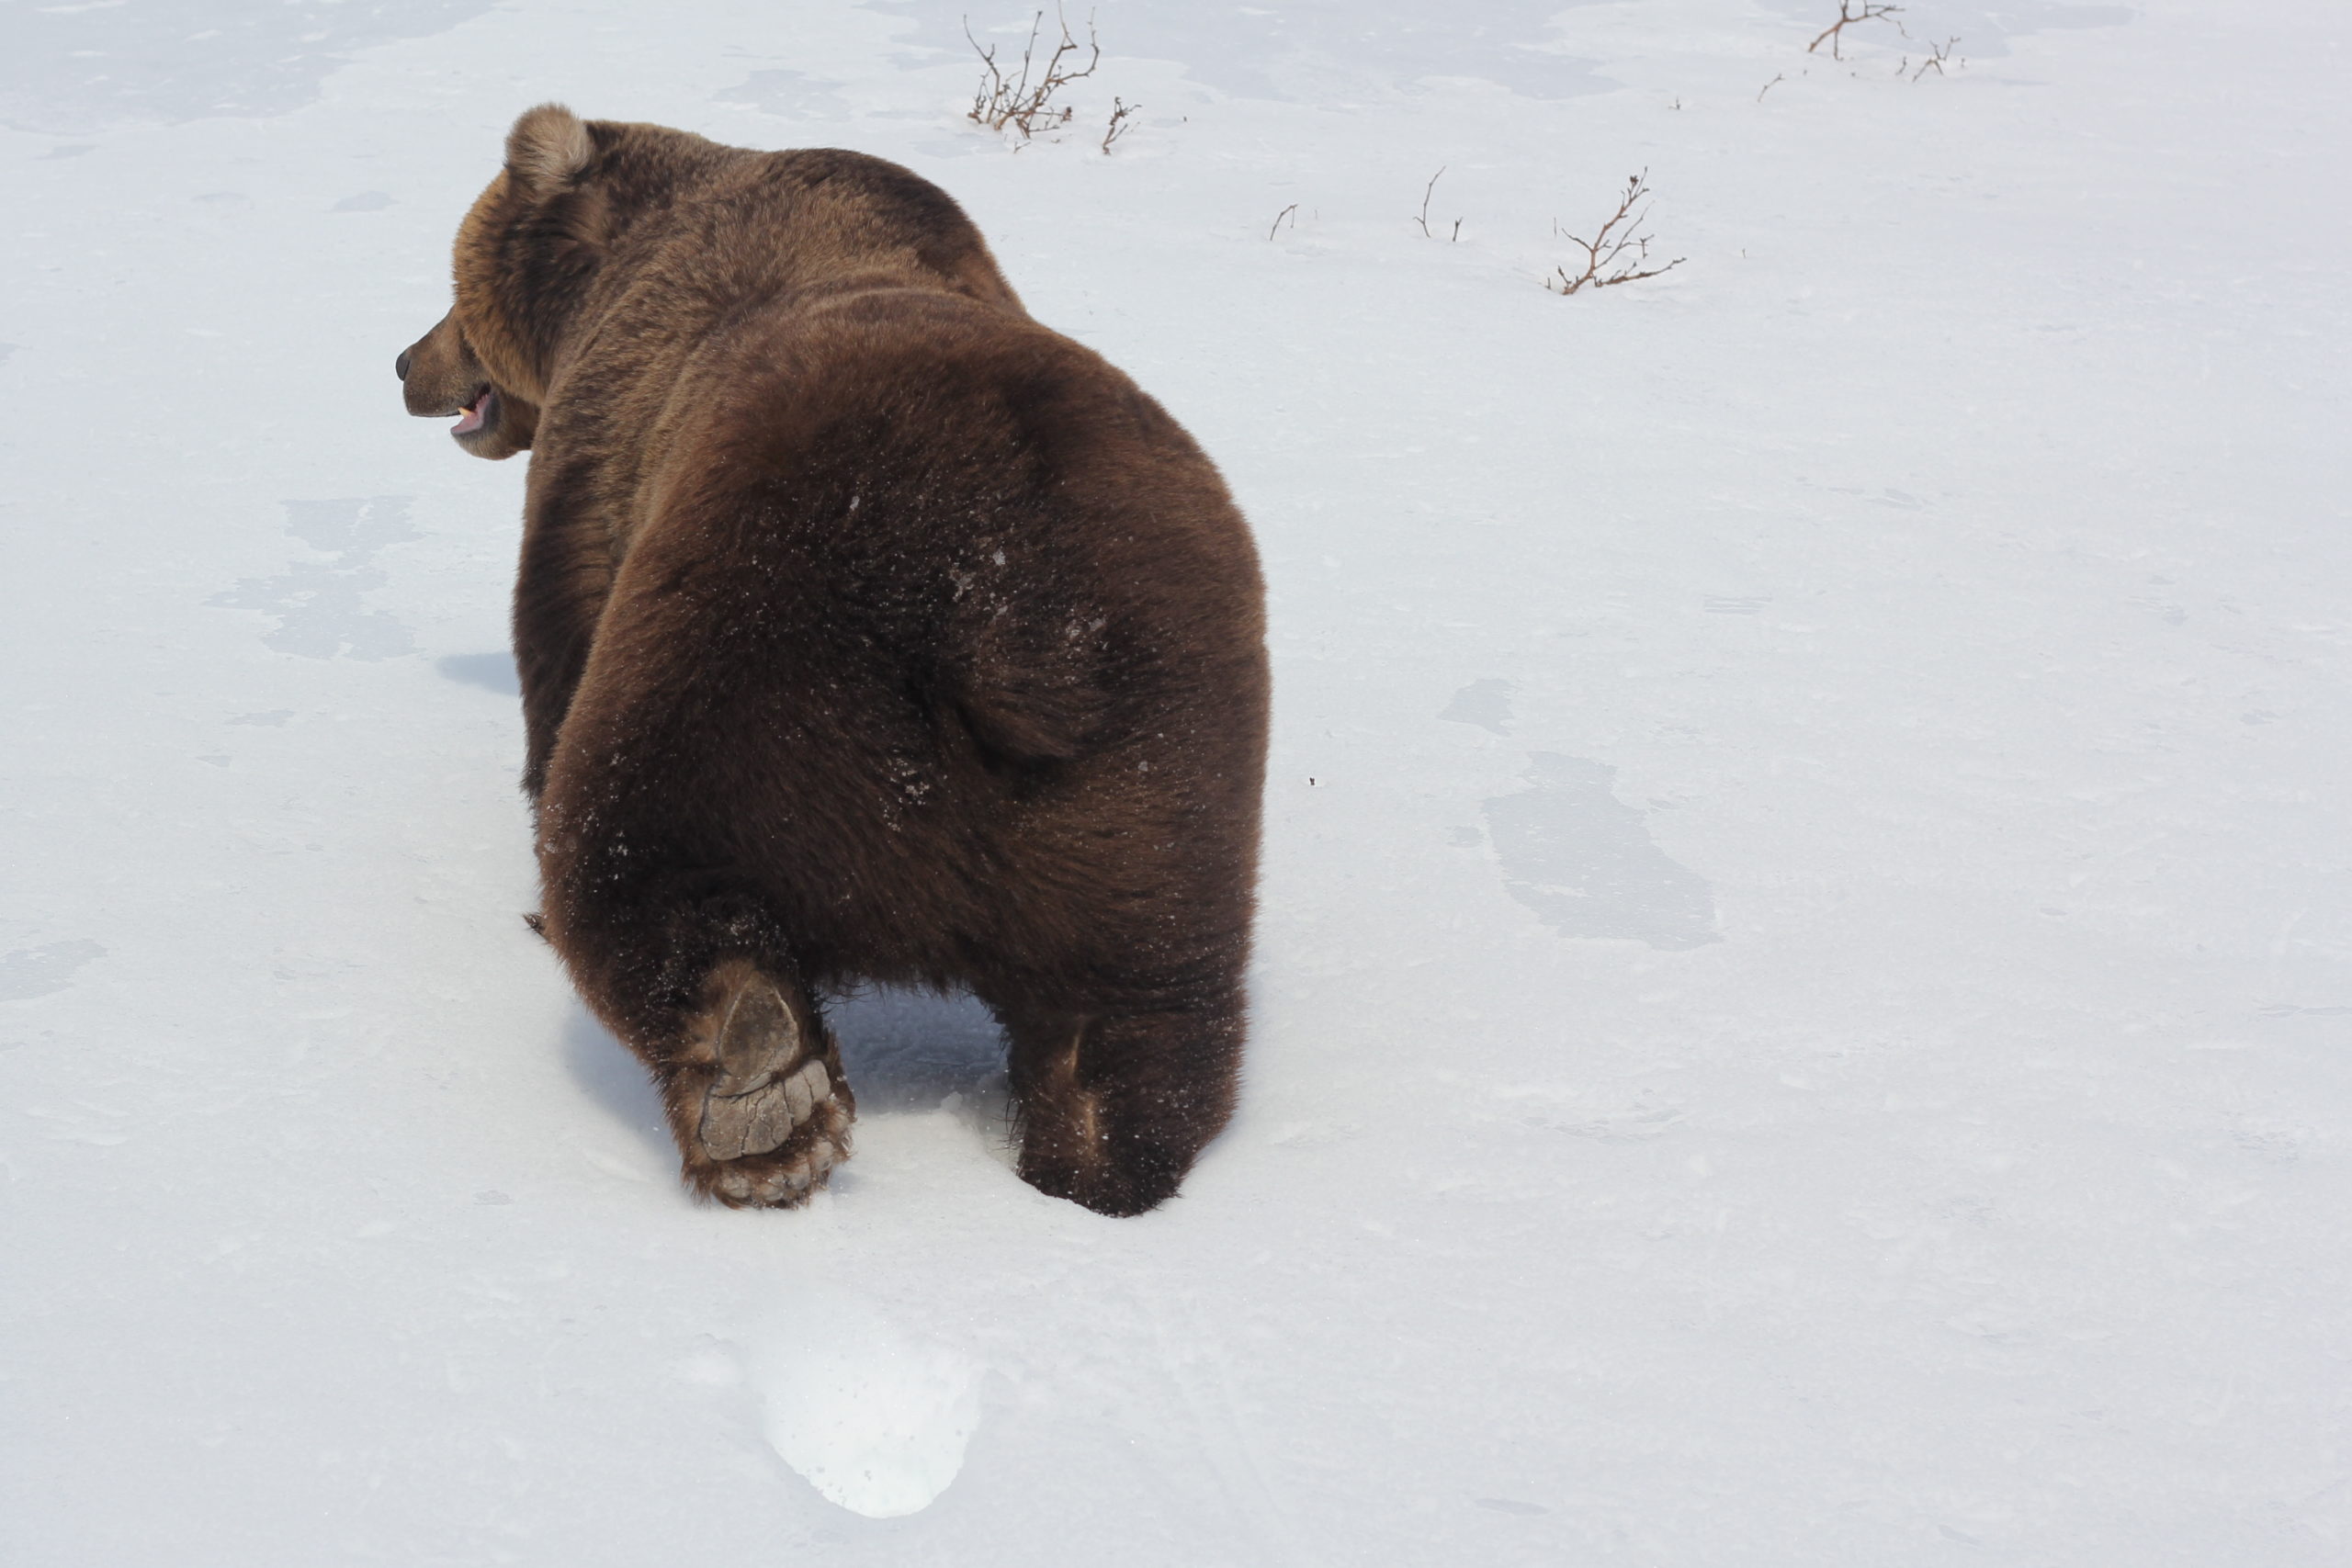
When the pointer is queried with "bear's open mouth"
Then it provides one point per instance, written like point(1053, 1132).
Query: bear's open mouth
point(478, 414)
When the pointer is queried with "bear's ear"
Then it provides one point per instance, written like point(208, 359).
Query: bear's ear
point(547, 148)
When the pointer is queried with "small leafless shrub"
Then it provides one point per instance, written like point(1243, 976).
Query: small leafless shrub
point(1938, 54)
point(1847, 15)
point(1121, 113)
point(1606, 261)
point(1290, 212)
point(1015, 100)
point(1423, 219)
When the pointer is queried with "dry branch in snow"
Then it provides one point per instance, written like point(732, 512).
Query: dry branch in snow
point(1424, 219)
point(1000, 100)
point(1605, 261)
point(1937, 55)
point(1846, 17)
point(1120, 112)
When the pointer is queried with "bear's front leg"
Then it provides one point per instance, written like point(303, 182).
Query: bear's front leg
point(561, 588)
point(1114, 1108)
point(756, 1097)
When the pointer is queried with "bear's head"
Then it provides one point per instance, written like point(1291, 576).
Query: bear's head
point(573, 211)
point(526, 249)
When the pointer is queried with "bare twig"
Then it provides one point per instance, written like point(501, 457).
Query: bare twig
point(1120, 112)
point(1769, 87)
point(1424, 219)
point(1936, 54)
point(1000, 100)
point(1605, 261)
point(1846, 17)
point(1290, 212)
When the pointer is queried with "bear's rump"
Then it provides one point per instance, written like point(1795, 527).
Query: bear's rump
point(916, 642)
point(846, 785)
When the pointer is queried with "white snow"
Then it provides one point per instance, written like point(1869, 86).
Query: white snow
point(877, 1422)
point(1806, 961)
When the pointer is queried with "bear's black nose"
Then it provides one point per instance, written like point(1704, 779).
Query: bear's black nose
point(401, 364)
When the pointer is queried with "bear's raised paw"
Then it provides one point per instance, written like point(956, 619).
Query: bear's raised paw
point(770, 1114)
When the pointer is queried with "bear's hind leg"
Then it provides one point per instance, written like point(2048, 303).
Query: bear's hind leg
point(689, 969)
point(1114, 1108)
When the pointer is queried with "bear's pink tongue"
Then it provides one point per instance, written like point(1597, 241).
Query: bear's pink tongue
point(470, 420)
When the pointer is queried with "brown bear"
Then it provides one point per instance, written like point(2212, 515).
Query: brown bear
point(869, 631)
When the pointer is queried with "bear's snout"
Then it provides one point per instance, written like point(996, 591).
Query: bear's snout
point(440, 376)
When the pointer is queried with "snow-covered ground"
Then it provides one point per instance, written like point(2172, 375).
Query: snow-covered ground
point(1805, 972)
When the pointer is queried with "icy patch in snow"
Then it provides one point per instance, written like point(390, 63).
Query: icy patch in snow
point(1583, 861)
point(490, 671)
point(876, 1419)
point(1265, 52)
point(789, 95)
point(1485, 704)
point(1511, 1505)
point(77, 67)
point(32, 972)
point(1983, 29)
point(317, 603)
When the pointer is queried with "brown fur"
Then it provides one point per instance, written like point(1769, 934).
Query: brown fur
point(869, 631)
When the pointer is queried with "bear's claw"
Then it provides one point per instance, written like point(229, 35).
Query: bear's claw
point(778, 1185)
